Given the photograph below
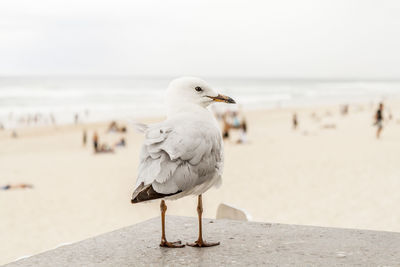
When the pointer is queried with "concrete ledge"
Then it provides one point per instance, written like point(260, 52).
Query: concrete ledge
point(242, 243)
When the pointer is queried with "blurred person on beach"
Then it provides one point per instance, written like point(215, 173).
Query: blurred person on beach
point(242, 135)
point(225, 126)
point(95, 142)
point(121, 143)
point(16, 186)
point(379, 120)
point(234, 121)
point(36, 118)
point(294, 121)
point(243, 131)
point(100, 148)
point(76, 118)
point(344, 110)
point(105, 148)
point(84, 138)
point(114, 127)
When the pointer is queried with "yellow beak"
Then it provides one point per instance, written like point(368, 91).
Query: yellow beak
point(222, 98)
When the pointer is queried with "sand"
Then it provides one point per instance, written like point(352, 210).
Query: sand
point(340, 177)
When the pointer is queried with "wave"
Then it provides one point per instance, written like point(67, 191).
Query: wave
point(122, 98)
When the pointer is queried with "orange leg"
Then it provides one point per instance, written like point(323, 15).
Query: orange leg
point(164, 242)
point(200, 242)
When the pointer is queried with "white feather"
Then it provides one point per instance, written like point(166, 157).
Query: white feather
point(183, 153)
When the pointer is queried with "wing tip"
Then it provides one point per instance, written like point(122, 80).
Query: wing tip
point(146, 193)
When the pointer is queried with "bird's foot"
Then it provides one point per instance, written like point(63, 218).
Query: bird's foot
point(200, 243)
point(176, 244)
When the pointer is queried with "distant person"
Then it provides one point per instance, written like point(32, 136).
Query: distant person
point(14, 134)
point(294, 121)
point(242, 131)
point(379, 120)
point(121, 143)
point(17, 186)
point(235, 120)
point(244, 125)
point(36, 118)
point(345, 110)
point(95, 142)
point(84, 138)
point(76, 118)
point(105, 148)
point(114, 127)
point(243, 134)
point(226, 126)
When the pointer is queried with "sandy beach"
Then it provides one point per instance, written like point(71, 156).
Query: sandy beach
point(331, 171)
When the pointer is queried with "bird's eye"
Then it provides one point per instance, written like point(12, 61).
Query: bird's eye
point(198, 89)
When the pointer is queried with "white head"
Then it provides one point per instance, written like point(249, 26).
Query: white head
point(191, 90)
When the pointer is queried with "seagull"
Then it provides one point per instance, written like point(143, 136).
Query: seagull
point(182, 155)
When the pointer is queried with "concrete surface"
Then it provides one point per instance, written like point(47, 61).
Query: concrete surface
point(242, 243)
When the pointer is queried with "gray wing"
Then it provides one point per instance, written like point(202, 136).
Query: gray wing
point(177, 156)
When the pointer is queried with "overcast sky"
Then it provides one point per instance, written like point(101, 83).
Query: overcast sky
point(272, 39)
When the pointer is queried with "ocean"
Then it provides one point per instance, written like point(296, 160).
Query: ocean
point(59, 99)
